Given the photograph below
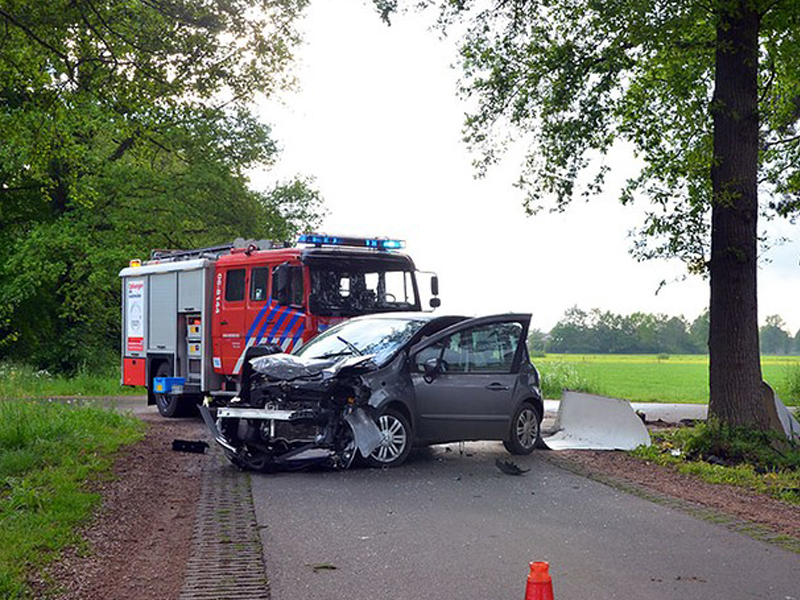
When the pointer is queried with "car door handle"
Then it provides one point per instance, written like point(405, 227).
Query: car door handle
point(498, 387)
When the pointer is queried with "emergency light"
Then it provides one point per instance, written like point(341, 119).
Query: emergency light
point(319, 239)
point(135, 263)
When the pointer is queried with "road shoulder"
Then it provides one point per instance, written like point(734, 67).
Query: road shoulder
point(758, 516)
point(138, 543)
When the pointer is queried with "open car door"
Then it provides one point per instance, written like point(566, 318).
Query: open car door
point(465, 378)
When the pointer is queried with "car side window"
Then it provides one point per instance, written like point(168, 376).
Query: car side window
point(456, 355)
point(485, 349)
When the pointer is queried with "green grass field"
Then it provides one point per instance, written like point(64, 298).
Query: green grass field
point(648, 378)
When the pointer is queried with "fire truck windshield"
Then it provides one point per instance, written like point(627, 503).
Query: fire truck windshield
point(354, 289)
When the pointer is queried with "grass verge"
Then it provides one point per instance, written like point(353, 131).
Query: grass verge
point(48, 453)
point(557, 376)
point(739, 457)
point(22, 381)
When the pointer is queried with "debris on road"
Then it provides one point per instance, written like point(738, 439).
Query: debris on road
point(189, 446)
point(322, 566)
point(509, 468)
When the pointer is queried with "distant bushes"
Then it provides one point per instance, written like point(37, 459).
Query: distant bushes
point(604, 332)
point(559, 376)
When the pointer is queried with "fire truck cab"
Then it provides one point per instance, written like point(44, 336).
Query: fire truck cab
point(192, 319)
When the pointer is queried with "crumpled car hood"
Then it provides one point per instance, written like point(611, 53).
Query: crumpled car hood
point(287, 367)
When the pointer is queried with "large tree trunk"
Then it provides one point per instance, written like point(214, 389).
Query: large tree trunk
point(738, 396)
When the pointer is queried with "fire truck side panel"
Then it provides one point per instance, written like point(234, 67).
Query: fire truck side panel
point(190, 291)
point(134, 313)
point(165, 320)
point(133, 371)
point(134, 330)
point(162, 321)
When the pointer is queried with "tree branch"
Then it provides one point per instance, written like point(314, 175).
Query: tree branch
point(122, 148)
point(27, 30)
point(783, 141)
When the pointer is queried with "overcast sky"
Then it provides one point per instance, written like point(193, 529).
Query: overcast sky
point(377, 122)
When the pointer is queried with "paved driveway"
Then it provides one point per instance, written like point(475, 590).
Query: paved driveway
point(448, 526)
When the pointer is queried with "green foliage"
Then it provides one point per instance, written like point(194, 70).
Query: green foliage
point(125, 127)
point(559, 376)
point(792, 382)
point(772, 337)
point(736, 445)
point(738, 456)
point(48, 451)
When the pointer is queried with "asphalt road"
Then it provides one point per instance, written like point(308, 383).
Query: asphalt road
point(450, 526)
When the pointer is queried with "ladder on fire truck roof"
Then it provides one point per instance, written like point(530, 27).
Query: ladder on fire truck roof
point(214, 251)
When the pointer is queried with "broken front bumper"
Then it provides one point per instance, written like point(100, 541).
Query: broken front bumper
point(366, 434)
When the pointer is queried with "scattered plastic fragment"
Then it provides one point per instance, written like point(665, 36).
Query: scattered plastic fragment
point(509, 468)
point(189, 446)
point(322, 566)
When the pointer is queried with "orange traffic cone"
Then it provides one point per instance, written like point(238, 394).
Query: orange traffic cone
point(540, 586)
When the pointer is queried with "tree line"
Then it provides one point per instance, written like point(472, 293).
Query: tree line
point(604, 332)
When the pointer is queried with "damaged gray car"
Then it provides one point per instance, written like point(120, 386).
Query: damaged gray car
point(376, 385)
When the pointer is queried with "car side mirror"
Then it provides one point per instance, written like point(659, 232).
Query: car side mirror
point(435, 302)
point(431, 367)
point(435, 285)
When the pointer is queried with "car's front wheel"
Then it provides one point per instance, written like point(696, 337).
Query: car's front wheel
point(525, 430)
point(395, 440)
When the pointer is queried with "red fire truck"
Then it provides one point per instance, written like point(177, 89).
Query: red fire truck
point(192, 319)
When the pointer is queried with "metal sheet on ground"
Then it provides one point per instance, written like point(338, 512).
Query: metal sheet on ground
point(590, 422)
point(788, 420)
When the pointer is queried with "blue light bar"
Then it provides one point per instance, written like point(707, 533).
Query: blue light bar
point(319, 239)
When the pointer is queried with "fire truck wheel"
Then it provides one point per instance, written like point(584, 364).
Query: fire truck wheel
point(169, 405)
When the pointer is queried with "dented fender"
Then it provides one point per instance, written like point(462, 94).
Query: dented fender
point(366, 434)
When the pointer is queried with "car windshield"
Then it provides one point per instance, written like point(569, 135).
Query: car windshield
point(380, 337)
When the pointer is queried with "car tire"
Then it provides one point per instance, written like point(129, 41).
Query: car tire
point(526, 430)
point(396, 445)
point(169, 405)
